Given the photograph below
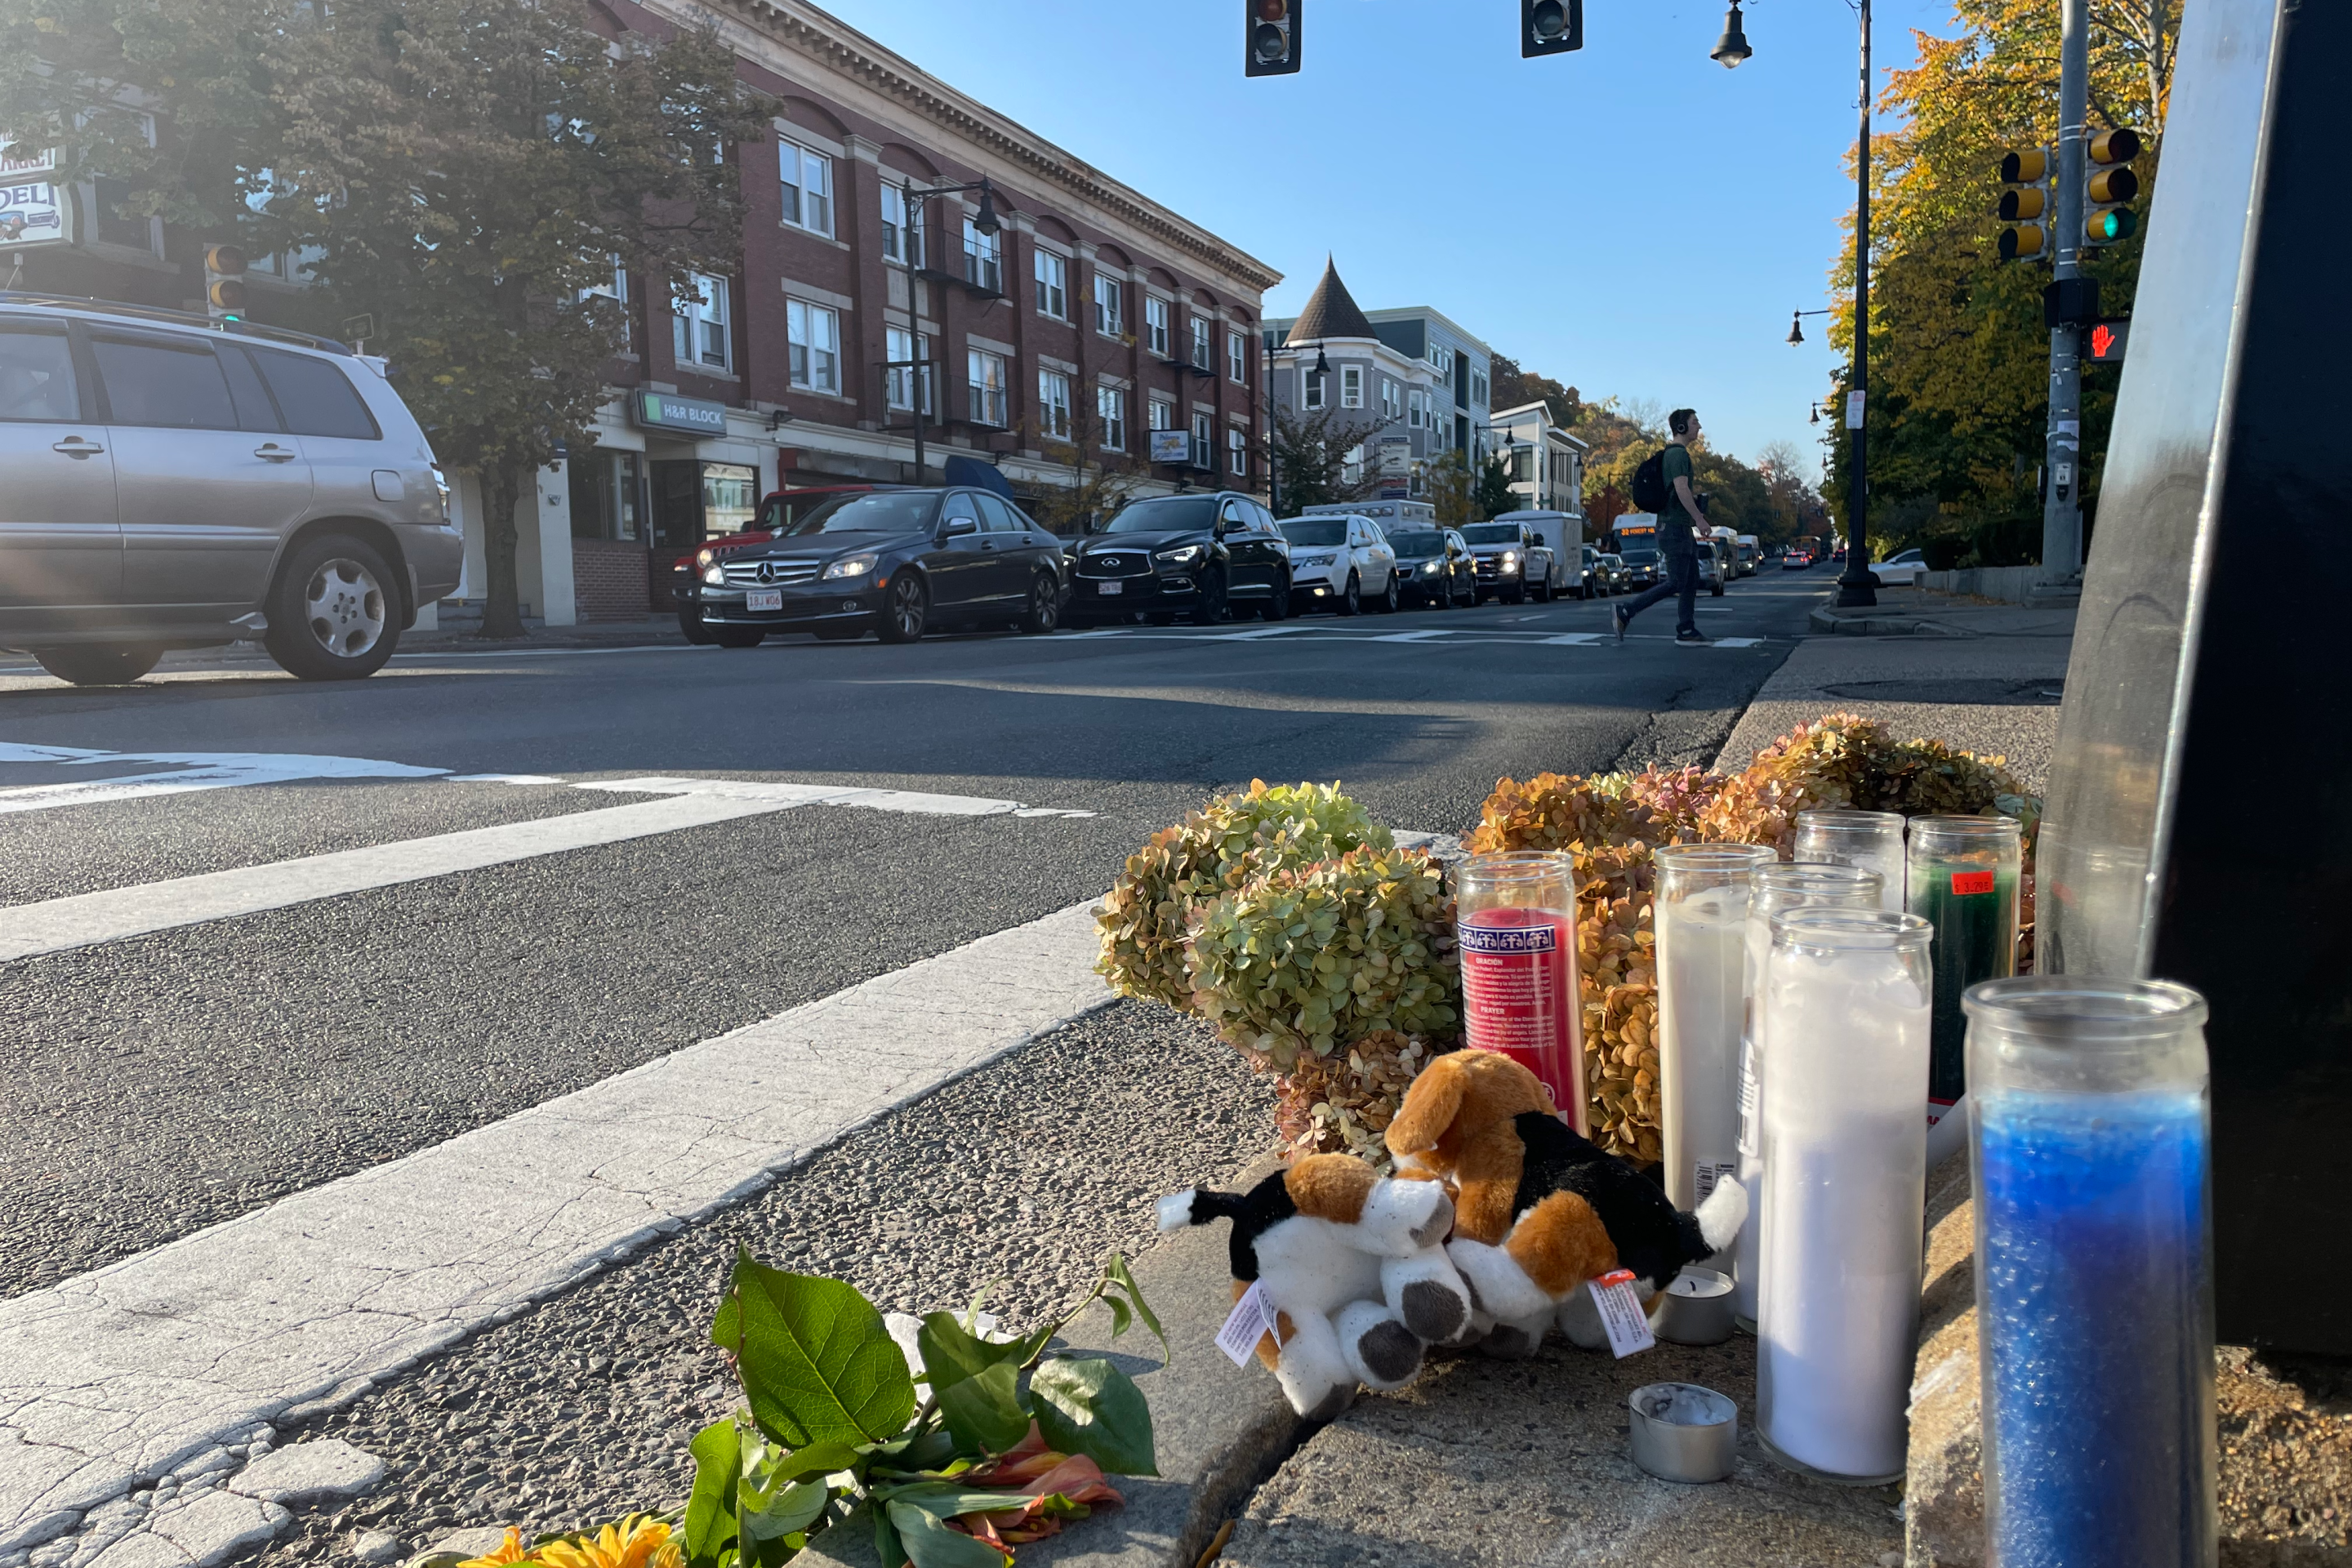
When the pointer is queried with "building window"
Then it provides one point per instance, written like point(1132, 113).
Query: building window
point(1391, 400)
point(1052, 286)
point(606, 502)
point(983, 259)
point(1237, 358)
point(808, 187)
point(1155, 324)
point(1442, 358)
point(815, 332)
point(1312, 385)
point(699, 338)
point(1110, 306)
point(1352, 386)
point(1351, 465)
point(1054, 404)
point(984, 372)
point(900, 380)
point(1204, 438)
point(902, 226)
point(1479, 393)
point(1201, 343)
point(616, 290)
point(1111, 407)
point(1237, 452)
point(1162, 415)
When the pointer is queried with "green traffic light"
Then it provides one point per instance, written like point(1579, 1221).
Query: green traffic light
point(2117, 223)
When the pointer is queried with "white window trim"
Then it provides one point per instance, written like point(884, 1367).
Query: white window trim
point(1050, 380)
point(1110, 412)
point(1238, 357)
point(692, 320)
point(1042, 255)
point(1352, 386)
point(800, 150)
point(1159, 335)
point(976, 389)
point(809, 382)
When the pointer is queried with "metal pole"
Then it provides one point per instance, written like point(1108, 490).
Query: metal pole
point(1855, 584)
point(922, 374)
point(2061, 508)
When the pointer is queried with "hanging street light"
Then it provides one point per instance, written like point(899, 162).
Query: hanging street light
point(1732, 47)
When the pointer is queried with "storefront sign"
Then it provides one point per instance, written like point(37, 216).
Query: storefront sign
point(668, 410)
point(1172, 446)
point(30, 212)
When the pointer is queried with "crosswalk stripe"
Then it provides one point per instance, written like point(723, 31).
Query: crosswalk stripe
point(126, 1372)
point(194, 771)
point(916, 802)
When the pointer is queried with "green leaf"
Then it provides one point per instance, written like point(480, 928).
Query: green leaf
point(1120, 1275)
point(887, 1545)
point(816, 1361)
point(947, 1500)
point(930, 1543)
point(924, 1450)
point(816, 1460)
point(985, 1410)
point(950, 1352)
point(717, 1451)
point(788, 1511)
point(1092, 1407)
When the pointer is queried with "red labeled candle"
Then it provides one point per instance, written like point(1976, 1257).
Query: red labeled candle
point(1515, 918)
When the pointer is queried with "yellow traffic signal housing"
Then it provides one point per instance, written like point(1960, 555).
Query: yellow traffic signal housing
point(2025, 203)
point(225, 282)
point(2105, 218)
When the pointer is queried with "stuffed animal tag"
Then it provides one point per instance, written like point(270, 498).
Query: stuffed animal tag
point(1238, 1338)
point(1622, 1312)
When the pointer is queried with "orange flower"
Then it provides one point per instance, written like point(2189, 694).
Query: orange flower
point(511, 1549)
point(636, 1541)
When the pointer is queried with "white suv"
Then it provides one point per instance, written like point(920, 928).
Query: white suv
point(173, 483)
point(1341, 561)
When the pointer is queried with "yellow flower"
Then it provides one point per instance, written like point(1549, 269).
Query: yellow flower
point(636, 1541)
point(511, 1549)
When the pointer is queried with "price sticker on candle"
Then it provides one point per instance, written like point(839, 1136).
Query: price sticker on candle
point(1622, 1312)
point(1967, 882)
point(1250, 1322)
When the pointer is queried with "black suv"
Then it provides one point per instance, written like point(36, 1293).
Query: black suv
point(896, 560)
point(1194, 555)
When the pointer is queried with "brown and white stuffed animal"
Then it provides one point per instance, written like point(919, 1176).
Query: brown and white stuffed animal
point(1353, 1268)
point(1540, 1210)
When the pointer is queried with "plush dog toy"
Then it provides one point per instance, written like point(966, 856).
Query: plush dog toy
point(1353, 1268)
point(1540, 1210)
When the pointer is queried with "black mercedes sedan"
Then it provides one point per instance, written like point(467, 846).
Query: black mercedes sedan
point(897, 562)
point(1194, 555)
point(1435, 566)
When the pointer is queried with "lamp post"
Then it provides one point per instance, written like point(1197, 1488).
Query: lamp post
point(1273, 481)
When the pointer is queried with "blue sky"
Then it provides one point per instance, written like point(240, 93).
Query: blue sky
point(1632, 219)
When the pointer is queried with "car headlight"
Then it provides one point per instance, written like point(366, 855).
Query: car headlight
point(851, 566)
point(705, 557)
point(1431, 566)
point(1182, 555)
point(714, 574)
point(1510, 560)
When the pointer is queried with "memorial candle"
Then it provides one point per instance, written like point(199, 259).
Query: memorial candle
point(1701, 919)
point(1870, 839)
point(1515, 919)
point(1963, 874)
point(2093, 1281)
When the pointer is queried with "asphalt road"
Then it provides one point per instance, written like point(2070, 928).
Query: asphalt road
point(167, 1081)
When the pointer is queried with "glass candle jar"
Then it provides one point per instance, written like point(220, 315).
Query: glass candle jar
point(1963, 872)
point(1870, 839)
point(1846, 1010)
point(1515, 918)
point(1701, 920)
point(1771, 890)
point(2088, 1111)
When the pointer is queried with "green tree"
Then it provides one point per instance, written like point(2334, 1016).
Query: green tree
point(1493, 496)
point(1311, 463)
point(472, 170)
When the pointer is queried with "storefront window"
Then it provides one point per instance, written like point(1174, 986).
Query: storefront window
point(607, 496)
point(730, 492)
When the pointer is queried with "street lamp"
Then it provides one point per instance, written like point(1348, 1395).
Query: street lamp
point(1732, 47)
point(1322, 368)
point(1796, 324)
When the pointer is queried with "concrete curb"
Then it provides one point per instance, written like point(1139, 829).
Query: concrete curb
point(1866, 623)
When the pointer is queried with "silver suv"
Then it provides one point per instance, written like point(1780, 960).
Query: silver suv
point(166, 482)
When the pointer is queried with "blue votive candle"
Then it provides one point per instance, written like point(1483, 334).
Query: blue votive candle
point(2093, 1285)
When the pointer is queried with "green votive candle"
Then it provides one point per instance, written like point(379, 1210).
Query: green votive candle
point(1963, 876)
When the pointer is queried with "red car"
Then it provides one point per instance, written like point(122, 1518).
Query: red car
point(778, 513)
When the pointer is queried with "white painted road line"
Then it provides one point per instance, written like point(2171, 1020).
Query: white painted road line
point(196, 771)
point(1431, 635)
point(782, 795)
point(1573, 639)
point(115, 913)
point(115, 1376)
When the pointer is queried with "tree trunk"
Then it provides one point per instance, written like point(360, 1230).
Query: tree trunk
point(501, 603)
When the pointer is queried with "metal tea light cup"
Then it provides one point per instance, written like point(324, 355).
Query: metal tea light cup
point(1682, 1432)
point(1773, 888)
point(1870, 839)
point(2089, 1140)
point(1695, 1309)
point(1514, 919)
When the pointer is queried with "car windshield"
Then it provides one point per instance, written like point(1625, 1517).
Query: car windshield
point(1417, 544)
point(778, 513)
point(1166, 514)
point(1493, 534)
point(882, 511)
point(1314, 531)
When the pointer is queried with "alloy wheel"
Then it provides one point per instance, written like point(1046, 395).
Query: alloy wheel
point(344, 608)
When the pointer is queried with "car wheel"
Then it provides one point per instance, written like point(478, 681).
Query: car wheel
point(1391, 597)
point(906, 610)
point(1516, 593)
point(1543, 592)
point(95, 666)
point(334, 611)
point(1210, 608)
point(690, 626)
point(1351, 597)
point(1718, 589)
point(1277, 607)
point(1044, 610)
point(1440, 598)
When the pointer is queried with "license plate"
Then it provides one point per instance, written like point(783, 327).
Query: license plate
point(1107, 589)
point(764, 599)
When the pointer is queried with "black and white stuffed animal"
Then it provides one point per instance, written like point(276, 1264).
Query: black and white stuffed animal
point(1352, 1269)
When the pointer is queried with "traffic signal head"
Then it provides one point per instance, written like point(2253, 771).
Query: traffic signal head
point(1551, 26)
point(225, 282)
point(2105, 220)
point(1270, 36)
point(2025, 203)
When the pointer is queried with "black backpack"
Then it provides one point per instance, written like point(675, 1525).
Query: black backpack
point(1650, 483)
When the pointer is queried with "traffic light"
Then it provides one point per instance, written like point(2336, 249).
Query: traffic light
point(1270, 39)
point(2025, 203)
point(225, 282)
point(2105, 218)
point(1551, 26)
point(2105, 342)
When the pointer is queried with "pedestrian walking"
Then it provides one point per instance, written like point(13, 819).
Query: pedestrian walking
point(1667, 490)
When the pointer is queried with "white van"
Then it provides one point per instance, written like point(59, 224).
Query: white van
point(1751, 552)
point(1564, 532)
point(1391, 515)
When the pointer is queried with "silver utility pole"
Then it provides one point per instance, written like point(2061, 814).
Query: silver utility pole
point(2061, 508)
